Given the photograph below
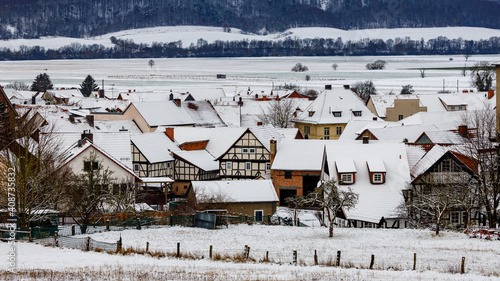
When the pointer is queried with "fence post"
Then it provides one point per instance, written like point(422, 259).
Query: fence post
point(246, 252)
point(119, 244)
point(139, 224)
point(298, 222)
point(30, 237)
point(56, 240)
point(315, 258)
point(210, 253)
point(267, 256)
point(73, 230)
point(295, 257)
point(87, 246)
point(147, 247)
point(269, 219)
point(178, 250)
point(107, 225)
point(171, 220)
point(372, 261)
point(462, 270)
point(414, 261)
point(338, 258)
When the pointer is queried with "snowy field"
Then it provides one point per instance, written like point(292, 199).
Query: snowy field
point(199, 74)
point(438, 258)
point(190, 35)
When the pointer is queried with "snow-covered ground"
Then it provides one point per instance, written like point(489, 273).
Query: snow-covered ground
point(438, 258)
point(190, 35)
point(199, 74)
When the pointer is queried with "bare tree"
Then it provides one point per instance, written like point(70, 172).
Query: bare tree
point(299, 68)
point(378, 64)
point(335, 66)
point(278, 113)
point(435, 194)
point(482, 76)
point(151, 63)
point(422, 72)
point(89, 193)
point(333, 199)
point(17, 85)
point(364, 90)
point(29, 175)
point(482, 147)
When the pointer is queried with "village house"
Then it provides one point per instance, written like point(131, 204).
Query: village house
point(254, 198)
point(327, 116)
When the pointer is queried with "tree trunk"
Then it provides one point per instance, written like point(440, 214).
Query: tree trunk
point(330, 229)
point(466, 220)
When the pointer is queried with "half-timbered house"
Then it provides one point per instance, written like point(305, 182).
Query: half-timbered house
point(196, 165)
point(151, 155)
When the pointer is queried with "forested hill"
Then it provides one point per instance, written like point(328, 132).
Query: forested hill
point(81, 18)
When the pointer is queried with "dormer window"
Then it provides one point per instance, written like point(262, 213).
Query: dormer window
point(377, 171)
point(347, 178)
point(311, 113)
point(337, 113)
point(356, 113)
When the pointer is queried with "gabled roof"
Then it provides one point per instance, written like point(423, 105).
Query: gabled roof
point(156, 147)
point(163, 113)
point(398, 133)
point(375, 201)
point(10, 107)
point(199, 158)
point(376, 165)
point(434, 155)
point(441, 137)
point(451, 100)
point(382, 102)
point(203, 113)
point(75, 150)
point(236, 191)
point(299, 155)
point(335, 100)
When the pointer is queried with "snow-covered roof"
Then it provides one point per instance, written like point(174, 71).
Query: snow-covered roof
point(414, 153)
point(155, 147)
point(266, 133)
point(335, 100)
point(451, 100)
point(222, 139)
point(428, 160)
point(375, 200)
point(288, 133)
point(443, 137)
point(355, 127)
point(199, 158)
point(157, 180)
point(382, 102)
point(203, 113)
point(236, 191)
point(345, 166)
point(299, 155)
point(444, 120)
point(163, 113)
point(376, 165)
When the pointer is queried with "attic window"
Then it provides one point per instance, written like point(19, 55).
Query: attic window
point(88, 165)
point(311, 113)
point(347, 178)
point(356, 113)
point(337, 113)
point(378, 178)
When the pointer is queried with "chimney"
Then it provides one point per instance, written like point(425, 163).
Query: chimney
point(101, 94)
point(171, 96)
point(177, 102)
point(273, 151)
point(240, 102)
point(328, 87)
point(72, 119)
point(88, 135)
point(170, 133)
point(90, 120)
point(463, 131)
point(366, 139)
point(491, 93)
point(33, 100)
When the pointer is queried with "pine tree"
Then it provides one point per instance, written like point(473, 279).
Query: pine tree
point(88, 86)
point(42, 83)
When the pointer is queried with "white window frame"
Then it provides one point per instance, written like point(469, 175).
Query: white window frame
point(244, 150)
point(268, 166)
point(261, 216)
point(229, 166)
point(248, 166)
point(137, 167)
point(378, 181)
point(347, 175)
point(252, 150)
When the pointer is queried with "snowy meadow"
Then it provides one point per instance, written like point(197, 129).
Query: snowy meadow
point(438, 258)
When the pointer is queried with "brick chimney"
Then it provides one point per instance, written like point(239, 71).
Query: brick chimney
point(170, 133)
point(90, 120)
point(463, 131)
point(88, 135)
point(491, 93)
point(273, 151)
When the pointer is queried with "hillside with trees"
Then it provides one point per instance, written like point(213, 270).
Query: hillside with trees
point(79, 18)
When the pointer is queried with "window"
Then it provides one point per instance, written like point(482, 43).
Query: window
point(455, 217)
point(339, 130)
point(252, 150)
point(460, 108)
point(347, 178)
point(327, 137)
point(88, 165)
point(445, 165)
point(452, 107)
point(337, 113)
point(400, 117)
point(377, 178)
point(268, 166)
point(307, 130)
point(248, 166)
point(136, 167)
point(327, 131)
point(356, 113)
point(288, 174)
point(168, 165)
point(259, 215)
point(229, 165)
point(244, 150)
